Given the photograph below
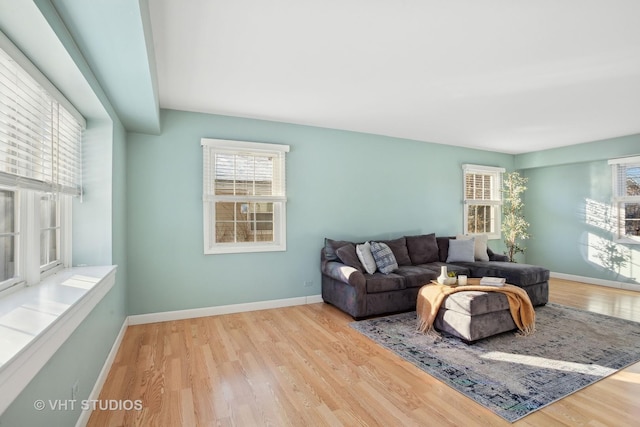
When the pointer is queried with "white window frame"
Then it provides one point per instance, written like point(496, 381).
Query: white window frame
point(279, 243)
point(495, 202)
point(619, 200)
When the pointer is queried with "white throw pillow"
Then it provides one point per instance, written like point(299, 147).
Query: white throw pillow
point(480, 248)
point(366, 257)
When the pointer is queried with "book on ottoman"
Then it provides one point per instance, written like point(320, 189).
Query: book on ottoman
point(492, 281)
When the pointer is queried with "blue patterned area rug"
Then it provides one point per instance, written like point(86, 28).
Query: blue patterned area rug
point(514, 375)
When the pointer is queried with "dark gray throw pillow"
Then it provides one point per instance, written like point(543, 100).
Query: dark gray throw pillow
point(347, 254)
point(423, 249)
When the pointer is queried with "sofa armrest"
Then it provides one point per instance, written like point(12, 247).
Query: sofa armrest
point(497, 257)
point(344, 273)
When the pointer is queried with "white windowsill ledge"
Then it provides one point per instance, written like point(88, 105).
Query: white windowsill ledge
point(35, 321)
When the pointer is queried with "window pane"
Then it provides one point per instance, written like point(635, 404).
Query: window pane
point(480, 219)
point(224, 232)
point(264, 176)
point(48, 212)
point(49, 229)
point(632, 180)
point(243, 175)
point(632, 219)
point(262, 224)
point(7, 242)
point(7, 262)
point(7, 210)
point(243, 232)
point(224, 174)
point(48, 246)
point(225, 211)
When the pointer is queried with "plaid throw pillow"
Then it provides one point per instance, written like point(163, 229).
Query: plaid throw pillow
point(385, 261)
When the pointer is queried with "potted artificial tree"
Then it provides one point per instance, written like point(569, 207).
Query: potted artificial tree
point(514, 226)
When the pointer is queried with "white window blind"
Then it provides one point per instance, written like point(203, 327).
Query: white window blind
point(244, 195)
point(40, 140)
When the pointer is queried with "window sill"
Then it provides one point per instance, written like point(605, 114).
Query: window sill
point(36, 320)
point(241, 249)
point(624, 240)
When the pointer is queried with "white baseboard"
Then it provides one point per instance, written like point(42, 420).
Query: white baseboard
point(314, 299)
point(166, 316)
point(102, 377)
point(599, 282)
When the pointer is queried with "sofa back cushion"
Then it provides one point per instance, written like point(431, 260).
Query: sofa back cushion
point(399, 249)
point(423, 249)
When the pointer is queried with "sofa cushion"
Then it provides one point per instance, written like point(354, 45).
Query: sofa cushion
point(436, 266)
point(473, 303)
point(379, 282)
point(399, 249)
point(385, 260)
point(514, 273)
point(480, 249)
point(347, 254)
point(416, 277)
point(330, 248)
point(366, 257)
point(422, 249)
point(461, 250)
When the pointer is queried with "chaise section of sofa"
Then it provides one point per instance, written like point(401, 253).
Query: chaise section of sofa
point(347, 285)
point(532, 278)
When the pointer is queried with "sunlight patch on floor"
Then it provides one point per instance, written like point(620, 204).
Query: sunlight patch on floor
point(627, 377)
point(546, 363)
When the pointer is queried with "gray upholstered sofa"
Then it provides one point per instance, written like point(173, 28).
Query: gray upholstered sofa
point(346, 284)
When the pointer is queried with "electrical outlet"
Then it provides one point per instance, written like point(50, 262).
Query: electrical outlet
point(308, 283)
point(74, 390)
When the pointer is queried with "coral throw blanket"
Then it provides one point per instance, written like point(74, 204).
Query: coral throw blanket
point(431, 297)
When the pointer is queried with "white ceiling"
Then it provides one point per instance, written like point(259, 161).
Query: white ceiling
point(511, 76)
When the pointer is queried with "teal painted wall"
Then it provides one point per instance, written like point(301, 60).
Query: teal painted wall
point(342, 185)
point(569, 209)
point(92, 214)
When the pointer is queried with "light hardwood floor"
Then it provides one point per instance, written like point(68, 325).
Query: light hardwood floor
point(304, 366)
